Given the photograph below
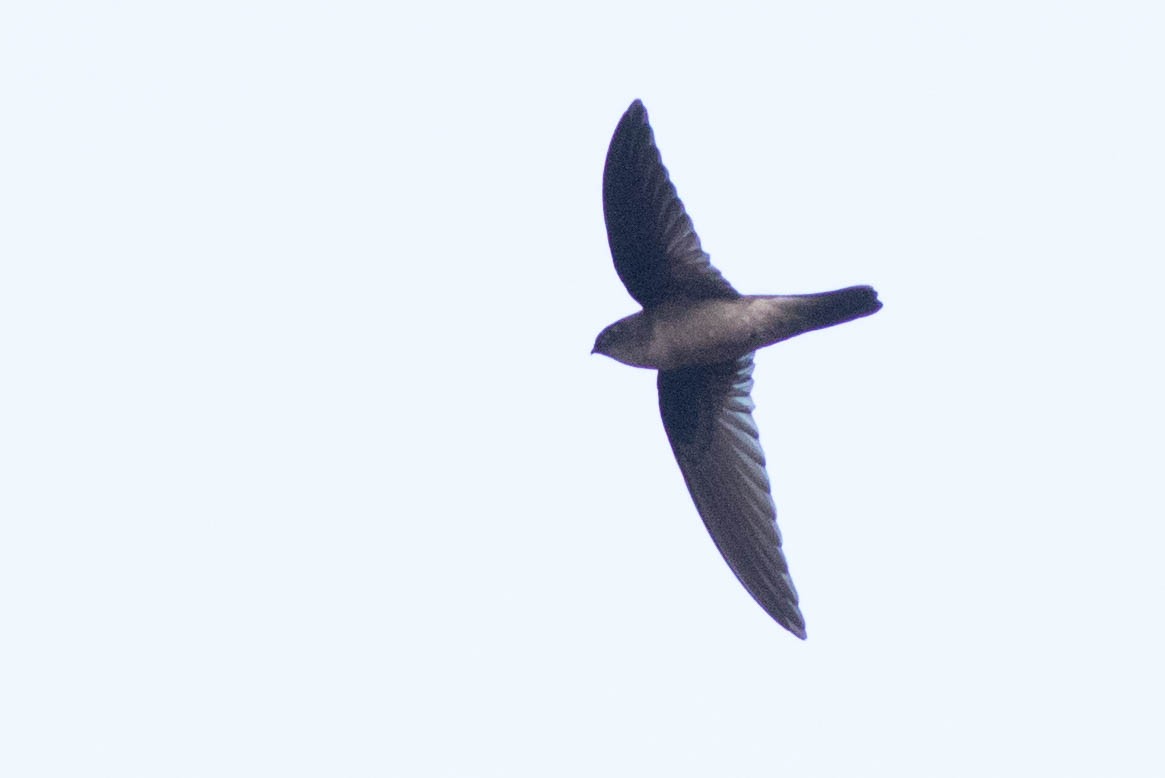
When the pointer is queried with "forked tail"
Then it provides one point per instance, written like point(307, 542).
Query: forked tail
point(798, 313)
point(828, 308)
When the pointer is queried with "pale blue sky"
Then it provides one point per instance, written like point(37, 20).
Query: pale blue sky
point(307, 469)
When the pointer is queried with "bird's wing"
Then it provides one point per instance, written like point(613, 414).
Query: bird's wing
point(656, 250)
point(707, 412)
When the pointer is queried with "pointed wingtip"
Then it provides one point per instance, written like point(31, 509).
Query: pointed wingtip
point(795, 623)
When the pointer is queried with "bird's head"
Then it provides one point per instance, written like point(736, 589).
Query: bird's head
point(623, 341)
point(607, 339)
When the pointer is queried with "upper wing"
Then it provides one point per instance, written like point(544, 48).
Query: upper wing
point(707, 413)
point(656, 250)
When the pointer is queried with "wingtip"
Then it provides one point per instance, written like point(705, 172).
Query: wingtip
point(794, 625)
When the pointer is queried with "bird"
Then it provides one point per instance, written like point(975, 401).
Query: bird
point(701, 335)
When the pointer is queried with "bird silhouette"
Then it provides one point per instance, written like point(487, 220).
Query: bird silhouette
point(701, 334)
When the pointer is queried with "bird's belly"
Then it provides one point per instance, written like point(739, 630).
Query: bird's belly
point(707, 332)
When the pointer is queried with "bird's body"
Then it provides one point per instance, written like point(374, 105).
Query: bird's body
point(700, 334)
point(684, 333)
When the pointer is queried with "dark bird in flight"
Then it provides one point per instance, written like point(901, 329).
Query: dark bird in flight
point(700, 334)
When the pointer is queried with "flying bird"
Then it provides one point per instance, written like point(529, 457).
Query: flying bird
point(701, 334)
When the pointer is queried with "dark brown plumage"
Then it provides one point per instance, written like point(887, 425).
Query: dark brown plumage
point(700, 334)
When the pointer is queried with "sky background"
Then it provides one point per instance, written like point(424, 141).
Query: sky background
point(307, 470)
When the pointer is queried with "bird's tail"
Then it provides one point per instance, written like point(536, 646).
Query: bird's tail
point(798, 313)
